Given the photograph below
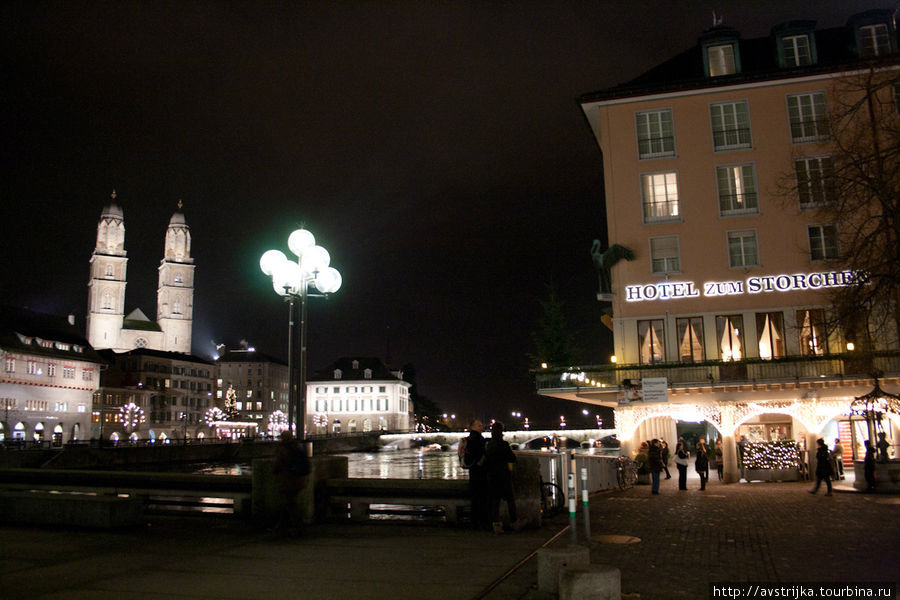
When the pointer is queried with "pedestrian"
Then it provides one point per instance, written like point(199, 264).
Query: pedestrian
point(882, 446)
point(500, 461)
point(472, 456)
point(292, 470)
point(720, 465)
point(838, 454)
point(869, 467)
point(701, 463)
point(823, 467)
point(665, 458)
point(741, 446)
point(655, 463)
point(681, 461)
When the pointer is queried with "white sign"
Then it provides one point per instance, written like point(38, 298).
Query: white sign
point(656, 389)
point(669, 290)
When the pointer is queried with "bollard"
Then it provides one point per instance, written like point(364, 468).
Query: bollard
point(552, 560)
point(584, 503)
point(571, 497)
point(593, 582)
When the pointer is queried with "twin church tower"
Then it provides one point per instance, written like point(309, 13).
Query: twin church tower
point(108, 327)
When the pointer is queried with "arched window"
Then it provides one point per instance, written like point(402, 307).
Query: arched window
point(109, 270)
point(19, 431)
point(176, 307)
point(367, 425)
point(382, 424)
point(351, 426)
point(38, 432)
point(107, 301)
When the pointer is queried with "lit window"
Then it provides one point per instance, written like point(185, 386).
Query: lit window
point(737, 190)
point(813, 338)
point(51, 370)
point(690, 339)
point(651, 340)
point(730, 122)
point(68, 372)
point(660, 196)
point(809, 121)
point(664, 255)
point(730, 333)
point(770, 329)
point(874, 40)
point(796, 50)
point(721, 60)
point(10, 365)
point(32, 367)
point(815, 181)
point(823, 242)
point(655, 133)
point(742, 249)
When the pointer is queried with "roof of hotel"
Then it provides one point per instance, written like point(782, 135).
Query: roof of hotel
point(380, 371)
point(21, 329)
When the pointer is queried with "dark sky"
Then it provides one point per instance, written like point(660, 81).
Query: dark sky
point(436, 149)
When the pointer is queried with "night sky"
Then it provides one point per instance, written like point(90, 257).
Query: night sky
point(436, 149)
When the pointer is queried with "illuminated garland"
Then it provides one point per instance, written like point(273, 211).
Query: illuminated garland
point(277, 422)
point(783, 454)
point(131, 415)
point(213, 415)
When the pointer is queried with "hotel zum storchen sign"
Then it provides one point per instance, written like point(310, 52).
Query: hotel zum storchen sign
point(671, 290)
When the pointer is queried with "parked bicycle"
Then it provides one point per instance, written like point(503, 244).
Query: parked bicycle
point(553, 499)
point(626, 472)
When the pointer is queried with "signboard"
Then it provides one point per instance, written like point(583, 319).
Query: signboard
point(648, 389)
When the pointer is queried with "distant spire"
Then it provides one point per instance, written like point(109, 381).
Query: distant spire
point(180, 204)
point(717, 19)
point(113, 195)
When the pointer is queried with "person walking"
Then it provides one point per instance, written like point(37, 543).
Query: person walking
point(500, 460)
point(471, 454)
point(681, 461)
point(838, 454)
point(720, 465)
point(655, 463)
point(665, 458)
point(823, 467)
point(701, 463)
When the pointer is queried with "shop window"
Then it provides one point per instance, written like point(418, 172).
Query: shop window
point(730, 123)
point(655, 133)
point(651, 340)
point(660, 197)
point(730, 333)
point(690, 339)
point(770, 331)
point(737, 190)
point(815, 181)
point(813, 338)
point(808, 117)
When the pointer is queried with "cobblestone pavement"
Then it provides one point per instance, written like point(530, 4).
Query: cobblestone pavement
point(771, 532)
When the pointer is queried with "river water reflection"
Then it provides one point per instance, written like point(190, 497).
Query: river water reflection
point(405, 464)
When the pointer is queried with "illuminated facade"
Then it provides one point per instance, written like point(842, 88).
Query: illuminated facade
point(723, 315)
point(258, 385)
point(108, 326)
point(357, 394)
point(49, 374)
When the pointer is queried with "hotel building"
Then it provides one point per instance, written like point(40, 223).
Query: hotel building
point(714, 165)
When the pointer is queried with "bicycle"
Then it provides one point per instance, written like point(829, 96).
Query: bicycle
point(626, 472)
point(553, 500)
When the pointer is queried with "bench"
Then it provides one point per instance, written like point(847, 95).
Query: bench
point(355, 497)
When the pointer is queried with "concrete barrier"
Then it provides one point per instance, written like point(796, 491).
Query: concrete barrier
point(79, 510)
point(594, 582)
point(313, 506)
point(552, 560)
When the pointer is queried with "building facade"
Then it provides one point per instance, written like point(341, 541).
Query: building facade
point(108, 326)
point(357, 394)
point(258, 386)
point(714, 165)
point(48, 377)
point(152, 395)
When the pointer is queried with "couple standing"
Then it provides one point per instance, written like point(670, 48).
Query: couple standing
point(701, 464)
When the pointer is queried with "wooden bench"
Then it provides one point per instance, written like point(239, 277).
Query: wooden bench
point(356, 496)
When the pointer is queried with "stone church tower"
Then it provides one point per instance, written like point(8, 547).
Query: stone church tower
point(108, 327)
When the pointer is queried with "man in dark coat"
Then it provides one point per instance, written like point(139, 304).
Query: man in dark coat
point(474, 458)
point(869, 466)
point(654, 460)
point(823, 467)
point(500, 460)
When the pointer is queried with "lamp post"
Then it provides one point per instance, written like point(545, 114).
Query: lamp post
point(293, 281)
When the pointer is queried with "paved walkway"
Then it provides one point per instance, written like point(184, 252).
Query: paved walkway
point(738, 532)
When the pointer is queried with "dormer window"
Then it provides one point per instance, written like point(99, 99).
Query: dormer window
point(795, 44)
point(355, 364)
point(721, 54)
point(338, 374)
point(367, 374)
point(874, 40)
point(796, 51)
point(721, 60)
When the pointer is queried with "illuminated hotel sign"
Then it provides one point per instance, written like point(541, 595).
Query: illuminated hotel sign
point(671, 290)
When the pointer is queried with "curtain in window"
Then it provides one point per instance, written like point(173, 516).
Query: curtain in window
point(813, 340)
point(651, 335)
point(730, 332)
point(770, 327)
point(690, 334)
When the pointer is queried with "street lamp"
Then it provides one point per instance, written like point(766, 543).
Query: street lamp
point(293, 281)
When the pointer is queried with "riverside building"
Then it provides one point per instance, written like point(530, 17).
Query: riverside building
point(714, 164)
point(256, 384)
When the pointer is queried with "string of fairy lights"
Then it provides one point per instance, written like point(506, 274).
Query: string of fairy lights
point(782, 454)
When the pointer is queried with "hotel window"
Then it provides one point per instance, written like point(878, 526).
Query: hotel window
point(823, 242)
point(730, 333)
point(660, 197)
point(874, 40)
point(651, 340)
point(737, 190)
point(770, 329)
point(730, 122)
point(813, 338)
point(796, 51)
point(809, 120)
point(664, 255)
point(655, 133)
point(690, 339)
point(32, 367)
point(68, 372)
point(10, 365)
point(815, 181)
point(742, 249)
point(721, 60)
point(51, 370)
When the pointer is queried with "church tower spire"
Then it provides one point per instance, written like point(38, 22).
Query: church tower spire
point(106, 287)
point(175, 295)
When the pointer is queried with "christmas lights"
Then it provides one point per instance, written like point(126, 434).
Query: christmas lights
point(782, 454)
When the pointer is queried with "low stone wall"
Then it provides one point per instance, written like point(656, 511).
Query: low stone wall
point(266, 503)
point(887, 476)
point(70, 510)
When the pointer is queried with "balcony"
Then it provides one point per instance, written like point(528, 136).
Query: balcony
point(719, 374)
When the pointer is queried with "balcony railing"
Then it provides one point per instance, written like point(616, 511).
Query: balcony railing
point(758, 371)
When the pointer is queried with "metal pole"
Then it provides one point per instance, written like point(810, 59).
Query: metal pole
point(301, 405)
point(291, 390)
point(584, 502)
point(571, 495)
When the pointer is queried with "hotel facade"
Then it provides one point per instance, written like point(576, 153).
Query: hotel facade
point(716, 164)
